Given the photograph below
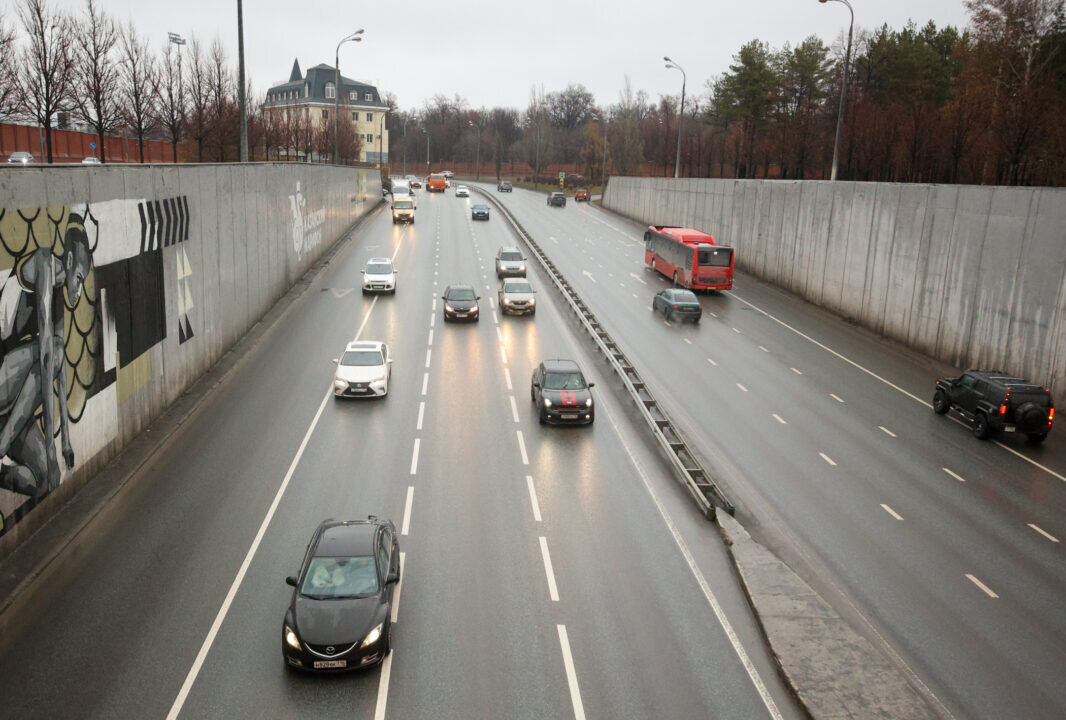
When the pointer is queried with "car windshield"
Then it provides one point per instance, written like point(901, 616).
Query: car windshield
point(517, 288)
point(362, 358)
point(333, 578)
point(378, 269)
point(563, 381)
point(403, 204)
point(511, 256)
point(685, 296)
point(461, 294)
point(481, 208)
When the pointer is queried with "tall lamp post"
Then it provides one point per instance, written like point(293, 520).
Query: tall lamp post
point(478, 128)
point(381, 142)
point(242, 102)
point(405, 145)
point(671, 65)
point(354, 37)
point(178, 40)
point(843, 87)
point(603, 175)
point(425, 129)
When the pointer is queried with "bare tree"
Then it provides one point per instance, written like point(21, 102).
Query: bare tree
point(170, 97)
point(627, 144)
point(221, 86)
point(137, 65)
point(45, 65)
point(9, 99)
point(96, 75)
point(199, 94)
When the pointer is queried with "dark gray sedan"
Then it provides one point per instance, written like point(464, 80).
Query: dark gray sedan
point(678, 303)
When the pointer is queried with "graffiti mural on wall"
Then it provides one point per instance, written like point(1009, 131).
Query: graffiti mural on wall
point(82, 300)
point(306, 224)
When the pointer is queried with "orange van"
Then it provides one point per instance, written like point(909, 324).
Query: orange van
point(437, 183)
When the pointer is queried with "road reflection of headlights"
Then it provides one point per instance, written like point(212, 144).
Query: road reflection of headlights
point(372, 636)
point(291, 639)
point(547, 402)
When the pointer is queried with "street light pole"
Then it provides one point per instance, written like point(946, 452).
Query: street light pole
point(405, 145)
point(354, 37)
point(843, 88)
point(178, 40)
point(426, 131)
point(381, 142)
point(241, 100)
point(478, 128)
point(671, 65)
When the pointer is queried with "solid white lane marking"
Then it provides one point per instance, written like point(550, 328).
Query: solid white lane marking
point(1043, 532)
point(736, 331)
point(407, 509)
point(957, 477)
point(836, 397)
point(425, 382)
point(514, 409)
point(712, 362)
point(571, 676)
point(503, 354)
point(522, 448)
point(507, 377)
point(891, 512)
point(414, 457)
point(429, 354)
point(533, 498)
point(383, 687)
point(796, 371)
point(987, 590)
point(887, 431)
point(553, 591)
point(399, 589)
point(421, 413)
point(827, 458)
point(742, 388)
point(430, 337)
point(499, 335)
point(779, 419)
point(763, 349)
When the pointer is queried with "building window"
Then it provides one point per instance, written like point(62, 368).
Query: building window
point(353, 96)
point(325, 114)
point(369, 97)
point(331, 91)
point(355, 116)
point(370, 137)
point(370, 117)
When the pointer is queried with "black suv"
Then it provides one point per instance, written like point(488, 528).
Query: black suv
point(557, 198)
point(995, 401)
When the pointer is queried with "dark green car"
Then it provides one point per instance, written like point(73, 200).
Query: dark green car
point(678, 303)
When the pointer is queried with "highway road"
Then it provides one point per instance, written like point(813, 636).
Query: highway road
point(947, 550)
point(547, 572)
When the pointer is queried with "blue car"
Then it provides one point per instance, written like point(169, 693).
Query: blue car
point(479, 212)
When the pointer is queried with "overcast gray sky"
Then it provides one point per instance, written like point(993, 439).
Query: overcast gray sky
point(492, 53)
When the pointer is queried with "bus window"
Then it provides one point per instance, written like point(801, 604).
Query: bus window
point(715, 256)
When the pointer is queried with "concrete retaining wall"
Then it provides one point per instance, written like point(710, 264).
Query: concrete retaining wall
point(156, 271)
point(972, 275)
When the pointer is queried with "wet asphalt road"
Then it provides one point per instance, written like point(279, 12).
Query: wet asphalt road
point(945, 549)
point(639, 613)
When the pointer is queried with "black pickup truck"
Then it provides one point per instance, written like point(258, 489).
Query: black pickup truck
point(994, 401)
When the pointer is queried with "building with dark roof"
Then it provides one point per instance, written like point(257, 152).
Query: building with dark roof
point(311, 98)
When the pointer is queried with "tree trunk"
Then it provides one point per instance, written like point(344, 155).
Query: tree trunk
point(174, 147)
point(100, 139)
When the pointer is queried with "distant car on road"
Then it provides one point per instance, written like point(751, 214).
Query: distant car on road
point(479, 212)
point(994, 401)
point(678, 302)
point(504, 186)
point(379, 276)
point(91, 161)
point(448, 174)
point(339, 617)
point(364, 370)
point(515, 297)
point(460, 303)
point(581, 194)
point(561, 393)
point(556, 198)
point(20, 158)
point(462, 191)
point(510, 263)
point(413, 181)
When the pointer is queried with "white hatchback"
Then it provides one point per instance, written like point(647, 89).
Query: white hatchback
point(379, 276)
point(364, 370)
point(462, 191)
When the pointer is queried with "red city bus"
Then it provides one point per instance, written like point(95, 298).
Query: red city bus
point(689, 257)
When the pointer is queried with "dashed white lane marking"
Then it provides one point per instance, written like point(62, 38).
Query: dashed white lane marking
point(429, 354)
point(430, 337)
point(499, 335)
point(713, 314)
point(522, 448)
point(763, 349)
point(712, 362)
point(434, 304)
point(571, 675)
point(503, 354)
point(798, 372)
point(407, 509)
point(667, 323)
point(533, 498)
point(514, 409)
point(742, 388)
point(987, 590)
point(425, 382)
point(891, 512)
point(887, 431)
point(421, 414)
point(836, 397)
point(779, 419)
point(553, 591)
point(736, 331)
point(432, 319)
point(414, 457)
point(492, 302)
point(957, 477)
point(507, 377)
point(827, 458)
point(383, 687)
point(688, 341)
point(636, 296)
point(1043, 532)
point(398, 590)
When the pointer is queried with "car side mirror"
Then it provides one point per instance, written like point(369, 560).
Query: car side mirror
point(393, 577)
point(362, 272)
point(336, 360)
point(592, 385)
point(389, 361)
point(443, 298)
point(478, 297)
point(291, 580)
point(536, 384)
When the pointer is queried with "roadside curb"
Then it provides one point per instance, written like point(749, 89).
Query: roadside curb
point(30, 561)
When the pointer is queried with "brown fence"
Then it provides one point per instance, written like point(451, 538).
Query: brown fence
point(71, 146)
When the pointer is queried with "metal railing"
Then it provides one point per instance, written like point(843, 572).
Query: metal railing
point(691, 473)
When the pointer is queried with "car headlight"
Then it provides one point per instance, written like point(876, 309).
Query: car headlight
point(507, 301)
point(372, 636)
point(532, 301)
point(378, 383)
point(339, 384)
point(448, 307)
point(474, 309)
point(547, 402)
point(588, 403)
point(291, 640)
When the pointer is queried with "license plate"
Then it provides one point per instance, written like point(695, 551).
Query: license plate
point(1008, 428)
point(569, 417)
point(460, 314)
point(330, 664)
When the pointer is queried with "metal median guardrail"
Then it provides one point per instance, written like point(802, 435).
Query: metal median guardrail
point(693, 476)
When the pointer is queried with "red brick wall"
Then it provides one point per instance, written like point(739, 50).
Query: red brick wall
point(69, 146)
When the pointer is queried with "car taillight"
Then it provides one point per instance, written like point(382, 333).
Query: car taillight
point(675, 306)
point(1002, 409)
point(1050, 415)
